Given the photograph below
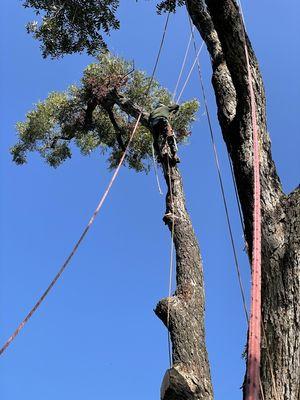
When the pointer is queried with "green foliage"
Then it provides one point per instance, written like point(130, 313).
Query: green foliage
point(41, 130)
point(169, 5)
point(81, 116)
point(73, 26)
point(183, 119)
point(69, 26)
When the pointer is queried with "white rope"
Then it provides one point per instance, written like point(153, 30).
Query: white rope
point(156, 170)
point(182, 66)
point(190, 72)
point(171, 268)
point(173, 98)
point(241, 12)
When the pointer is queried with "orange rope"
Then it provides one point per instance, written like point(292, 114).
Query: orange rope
point(262, 324)
point(220, 178)
point(100, 204)
point(70, 256)
point(253, 361)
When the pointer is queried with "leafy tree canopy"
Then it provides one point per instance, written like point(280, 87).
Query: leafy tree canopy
point(72, 26)
point(169, 5)
point(87, 116)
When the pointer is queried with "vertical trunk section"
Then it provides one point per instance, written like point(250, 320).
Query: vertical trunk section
point(189, 377)
point(183, 312)
point(220, 25)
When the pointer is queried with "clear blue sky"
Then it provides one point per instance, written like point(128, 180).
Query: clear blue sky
point(96, 336)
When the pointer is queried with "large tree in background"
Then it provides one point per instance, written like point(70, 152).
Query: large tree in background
point(99, 114)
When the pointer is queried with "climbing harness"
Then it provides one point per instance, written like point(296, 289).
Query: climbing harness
point(177, 101)
point(99, 206)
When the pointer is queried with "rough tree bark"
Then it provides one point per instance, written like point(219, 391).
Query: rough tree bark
point(219, 23)
point(189, 377)
point(220, 26)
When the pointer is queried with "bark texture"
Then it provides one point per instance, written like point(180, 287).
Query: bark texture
point(183, 313)
point(189, 377)
point(220, 25)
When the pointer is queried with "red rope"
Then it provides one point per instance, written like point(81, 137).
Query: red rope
point(254, 341)
point(75, 248)
point(99, 206)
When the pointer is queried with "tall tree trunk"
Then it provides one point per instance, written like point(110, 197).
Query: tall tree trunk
point(183, 312)
point(220, 25)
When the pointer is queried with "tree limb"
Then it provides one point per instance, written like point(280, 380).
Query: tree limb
point(128, 107)
point(118, 129)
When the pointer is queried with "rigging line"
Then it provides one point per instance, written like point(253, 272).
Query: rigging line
point(242, 291)
point(270, 362)
point(258, 323)
point(173, 98)
point(261, 390)
point(254, 341)
point(92, 219)
point(237, 196)
point(158, 54)
point(70, 256)
point(262, 322)
point(171, 268)
point(224, 197)
point(182, 66)
point(156, 170)
point(241, 12)
point(148, 89)
point(190, 73)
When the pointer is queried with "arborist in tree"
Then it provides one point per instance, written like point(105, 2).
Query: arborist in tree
point(164, 137)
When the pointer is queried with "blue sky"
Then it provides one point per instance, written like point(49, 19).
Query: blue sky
point(96, 336)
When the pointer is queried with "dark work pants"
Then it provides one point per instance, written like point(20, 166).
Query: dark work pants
point(162, 134)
